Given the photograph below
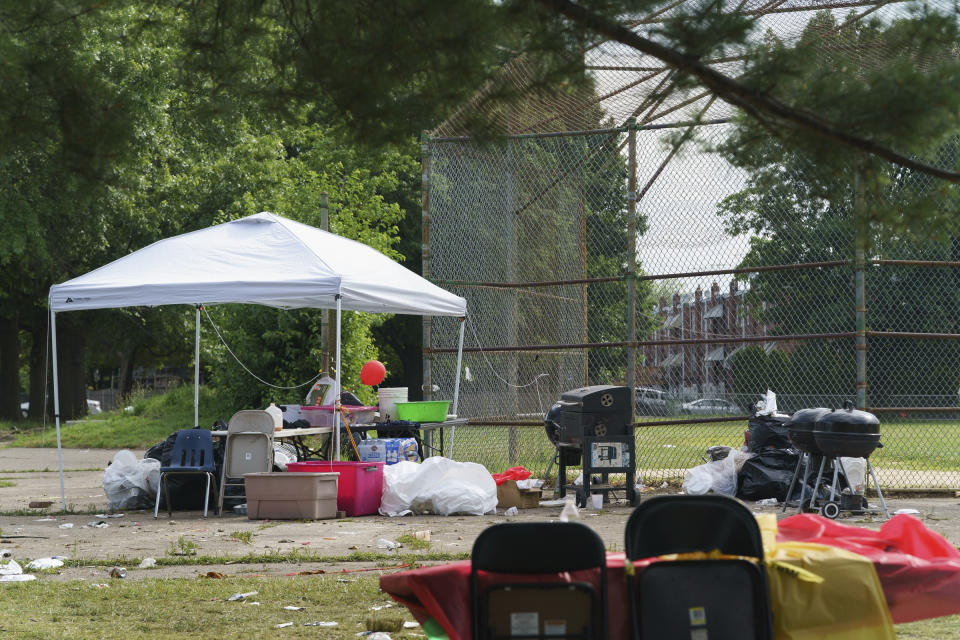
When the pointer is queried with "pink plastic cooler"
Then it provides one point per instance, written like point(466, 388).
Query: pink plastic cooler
point(359, 488)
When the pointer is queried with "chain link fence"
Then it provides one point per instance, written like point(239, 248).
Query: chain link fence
point(631, 255)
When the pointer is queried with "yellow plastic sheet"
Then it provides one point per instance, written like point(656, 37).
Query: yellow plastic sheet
point(821, 592)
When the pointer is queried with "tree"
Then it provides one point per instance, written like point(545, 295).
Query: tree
point(800, 208)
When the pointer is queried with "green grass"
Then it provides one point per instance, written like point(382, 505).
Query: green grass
point(194, 609)
point(410, 541)
point(245, 537)
point(7, 482)
point(153, 419)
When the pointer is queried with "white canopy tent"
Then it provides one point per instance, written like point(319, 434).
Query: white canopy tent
point(261, 259)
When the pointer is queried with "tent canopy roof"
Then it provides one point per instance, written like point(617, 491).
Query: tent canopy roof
point(261, 259)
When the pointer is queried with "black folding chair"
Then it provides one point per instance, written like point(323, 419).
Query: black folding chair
point(719, 599)
point(546, 608)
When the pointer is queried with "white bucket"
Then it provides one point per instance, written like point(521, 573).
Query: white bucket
point(388, 398)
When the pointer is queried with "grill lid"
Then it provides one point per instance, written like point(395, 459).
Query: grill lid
point(805, 418)
point(848, 420)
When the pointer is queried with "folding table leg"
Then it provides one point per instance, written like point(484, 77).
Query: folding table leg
point(156, 506)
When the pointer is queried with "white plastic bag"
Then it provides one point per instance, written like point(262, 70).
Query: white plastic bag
point(131, 483)
point(856, 469)
point(719, 476)
point(437, 485)
point(767, 406)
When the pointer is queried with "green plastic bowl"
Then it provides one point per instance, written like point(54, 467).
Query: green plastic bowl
point(424, 411)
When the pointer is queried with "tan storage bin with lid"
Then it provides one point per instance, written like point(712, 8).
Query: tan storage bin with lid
point(291, 495)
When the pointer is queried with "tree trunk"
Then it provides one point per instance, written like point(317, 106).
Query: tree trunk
point(127, 359)
point(73, 388)
point(9, 367)
point(39, 366)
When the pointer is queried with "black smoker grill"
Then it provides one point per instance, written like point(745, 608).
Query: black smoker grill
point(595, 424)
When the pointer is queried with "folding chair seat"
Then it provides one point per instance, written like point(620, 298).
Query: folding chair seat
point(528, 597)
point(723, 596)
point(249, 449)
point(192, 454)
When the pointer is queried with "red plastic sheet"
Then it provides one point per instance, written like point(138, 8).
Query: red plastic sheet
point(918, 568)
point(513, 473)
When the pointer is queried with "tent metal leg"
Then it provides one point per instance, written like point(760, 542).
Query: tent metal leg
point(336, 400)
point(56, 404)
point(196, 375)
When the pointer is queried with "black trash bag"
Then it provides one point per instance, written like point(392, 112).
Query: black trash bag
point(768, 475)
point(186, 491)
point(768, 432)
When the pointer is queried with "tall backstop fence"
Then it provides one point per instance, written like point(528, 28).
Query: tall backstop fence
point(610, 239)
point(608, 257)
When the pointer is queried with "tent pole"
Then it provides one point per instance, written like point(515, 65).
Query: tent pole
point(336, 399)
point(456, 384)
point(56, 403)
point(196, 375)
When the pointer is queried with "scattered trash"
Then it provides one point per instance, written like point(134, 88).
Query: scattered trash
point(320, 624)
point(767, 502)
point(290, 607)
point(118, 572)
point(66, 525)
point(664, 485)
point(129, 482)
point(719, 476)
point(110, 515)
point(512, 511)
point(410, 625)
point(44, 563)
point(284, 624)
point(215, 575)
point(241, 596)
point(553, 503)
point(39, 504)
point(389, 545)
point(97, 524)
point(569, 511)
point(252, 603)
point(47, 519)
point(18, 577)
point(668, 446)
point(344, 580)
point(375, 635)
point(5, 553)
point(426, 536)
point(909, 512)
point(10, 568)
point(100, 585)
point(240, 509)
point(147, 563)
point(381, 606)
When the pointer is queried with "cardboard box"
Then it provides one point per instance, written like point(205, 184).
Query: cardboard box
point(291, 495)
point(509, 495)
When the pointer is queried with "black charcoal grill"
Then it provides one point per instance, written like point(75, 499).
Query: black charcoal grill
point(849, 433)
point(596, 424)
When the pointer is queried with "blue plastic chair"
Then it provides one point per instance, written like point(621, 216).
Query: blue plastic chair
point(192, 454)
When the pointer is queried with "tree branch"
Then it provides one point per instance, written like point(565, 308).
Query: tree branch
point(735, 93)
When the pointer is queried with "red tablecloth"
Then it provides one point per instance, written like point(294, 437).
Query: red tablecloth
point(919, 571)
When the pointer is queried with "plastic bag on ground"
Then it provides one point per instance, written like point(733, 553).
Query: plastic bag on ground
point(130, 483)
point(856, 469)
point(719, 476)
point(438, 485)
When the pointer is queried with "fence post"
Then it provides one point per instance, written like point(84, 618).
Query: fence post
point(632, 262)
point(860, 284)
point(513, 445)
point(425, 256)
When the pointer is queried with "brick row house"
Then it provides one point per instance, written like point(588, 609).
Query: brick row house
point(699, 369)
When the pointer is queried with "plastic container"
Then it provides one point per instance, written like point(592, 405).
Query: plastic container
point(277, 416)
point(291, 496)
point(360, 487)
point(423, 411)
point(388, 450)
point(322, 416)
point(388, 397)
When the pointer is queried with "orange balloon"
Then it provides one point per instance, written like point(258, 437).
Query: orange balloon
point(372, 373)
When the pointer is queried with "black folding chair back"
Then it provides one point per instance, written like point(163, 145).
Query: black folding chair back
point(719, 599)
point(541, 609)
